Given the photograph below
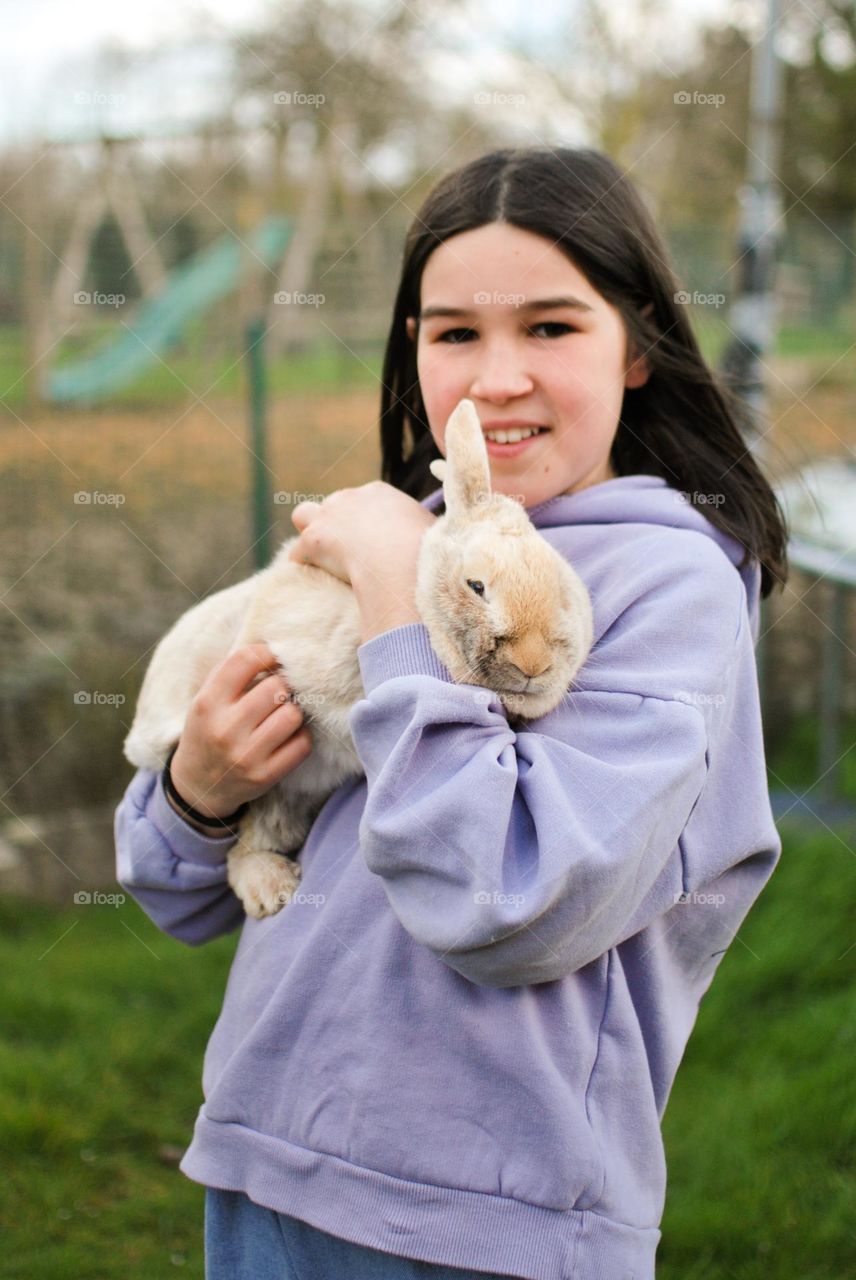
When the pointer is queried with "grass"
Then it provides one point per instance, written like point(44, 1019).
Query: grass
point(824, 346)
point(106, 1022)
point(194, 367)
point(761, 1126)
point(793, 760)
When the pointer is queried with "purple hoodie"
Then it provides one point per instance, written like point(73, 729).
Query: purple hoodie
point(457, 1043)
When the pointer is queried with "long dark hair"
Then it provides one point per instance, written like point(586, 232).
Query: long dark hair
point(684, 424)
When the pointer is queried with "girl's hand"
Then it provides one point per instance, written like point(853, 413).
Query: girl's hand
point(369, 537)
point(241, 734)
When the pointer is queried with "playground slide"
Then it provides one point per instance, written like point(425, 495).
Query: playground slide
point(158, 324)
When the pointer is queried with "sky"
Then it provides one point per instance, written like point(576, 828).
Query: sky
point(47, 46)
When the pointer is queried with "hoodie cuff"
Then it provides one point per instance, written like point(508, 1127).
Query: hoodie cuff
point(403, 651)
point(183, 839)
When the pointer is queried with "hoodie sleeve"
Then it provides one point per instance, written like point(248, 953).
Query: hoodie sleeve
point(175, 873)
point(520, 857)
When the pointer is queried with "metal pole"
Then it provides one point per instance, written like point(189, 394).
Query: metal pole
point(831, 693)
point(751, 317)
point(261, 517)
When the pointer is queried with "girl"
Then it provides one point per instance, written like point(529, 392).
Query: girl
point(449, 1056)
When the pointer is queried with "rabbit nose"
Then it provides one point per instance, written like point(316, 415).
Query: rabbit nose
point(532, 669)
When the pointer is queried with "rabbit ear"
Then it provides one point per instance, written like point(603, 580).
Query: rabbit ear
point(438, 469)
point(466, 480)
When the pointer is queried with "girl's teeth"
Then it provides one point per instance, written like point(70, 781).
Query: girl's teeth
point(513, 436)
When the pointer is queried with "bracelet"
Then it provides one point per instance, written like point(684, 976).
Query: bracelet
point(203, 818)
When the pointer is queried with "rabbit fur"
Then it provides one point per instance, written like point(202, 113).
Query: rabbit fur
point(503, 609)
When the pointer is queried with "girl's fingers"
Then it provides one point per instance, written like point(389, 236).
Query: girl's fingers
point(302, 514)
point(291, 754)
point(238, 671)
point(280, 744)
point(268, 696)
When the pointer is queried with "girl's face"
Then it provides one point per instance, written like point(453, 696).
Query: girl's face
point(508, 321)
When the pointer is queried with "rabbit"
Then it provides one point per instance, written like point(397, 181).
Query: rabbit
point(503, 609)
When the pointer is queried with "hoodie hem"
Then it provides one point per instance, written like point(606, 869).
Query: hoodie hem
point(446, 1226)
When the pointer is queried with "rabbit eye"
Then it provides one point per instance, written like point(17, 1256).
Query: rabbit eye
point(477, 586)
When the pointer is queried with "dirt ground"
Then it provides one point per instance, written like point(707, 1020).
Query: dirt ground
point(812, 411)
point(334, 437)
point(89, 587)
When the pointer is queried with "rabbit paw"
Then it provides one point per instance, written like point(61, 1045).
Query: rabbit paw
point(264, 881)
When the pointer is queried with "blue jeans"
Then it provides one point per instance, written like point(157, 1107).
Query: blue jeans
point(244, 1241)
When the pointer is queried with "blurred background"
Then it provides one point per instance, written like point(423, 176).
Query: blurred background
point(202, 214)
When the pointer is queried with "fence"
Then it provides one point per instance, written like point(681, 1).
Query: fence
point(832, 696)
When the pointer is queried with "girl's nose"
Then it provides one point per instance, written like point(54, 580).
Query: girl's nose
point(500, 377)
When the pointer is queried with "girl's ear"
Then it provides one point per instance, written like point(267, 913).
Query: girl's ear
point(639, 369)
point(410, 325)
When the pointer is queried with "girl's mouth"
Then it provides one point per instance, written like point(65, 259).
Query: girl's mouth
point(511, 448)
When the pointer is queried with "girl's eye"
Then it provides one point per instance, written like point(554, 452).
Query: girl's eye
point(452, 335)
point(554, 324)
point(447, 336)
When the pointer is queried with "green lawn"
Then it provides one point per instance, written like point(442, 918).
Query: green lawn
point(333, 366)
point(800, 342)
point(105, 1021)
point(104, 1024)
point(191, 367)
point(794, 765)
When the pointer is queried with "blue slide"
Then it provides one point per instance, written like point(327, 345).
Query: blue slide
point(159, 323)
